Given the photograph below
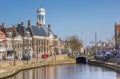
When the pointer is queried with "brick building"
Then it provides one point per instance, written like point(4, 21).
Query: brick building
point(117, 35)
point(3, 51)
point(44, 41)
point(32, 40)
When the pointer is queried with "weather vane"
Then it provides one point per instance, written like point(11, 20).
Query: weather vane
point(40, 3)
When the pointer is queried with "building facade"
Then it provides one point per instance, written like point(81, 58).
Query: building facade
point(44, 41)
point(3, 51)
point(31, 40)
point(117, 36)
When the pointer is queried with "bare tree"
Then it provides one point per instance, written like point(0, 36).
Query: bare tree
point(74, 43)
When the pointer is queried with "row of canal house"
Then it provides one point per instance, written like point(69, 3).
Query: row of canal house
point(32, 40)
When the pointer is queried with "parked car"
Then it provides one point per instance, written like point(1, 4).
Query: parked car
point(26, 57)
point(100, 56)
point(45, 56)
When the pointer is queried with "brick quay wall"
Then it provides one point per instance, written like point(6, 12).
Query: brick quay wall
point(7, 69)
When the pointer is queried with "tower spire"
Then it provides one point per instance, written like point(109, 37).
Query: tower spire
point(41, 15)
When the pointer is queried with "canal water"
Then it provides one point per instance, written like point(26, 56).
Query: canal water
point(78, 71)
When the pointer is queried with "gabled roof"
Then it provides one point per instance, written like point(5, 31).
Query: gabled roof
point(20, 29)
point(13, 31)
point(3, 29)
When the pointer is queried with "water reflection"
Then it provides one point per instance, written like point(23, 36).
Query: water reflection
point(79, 71)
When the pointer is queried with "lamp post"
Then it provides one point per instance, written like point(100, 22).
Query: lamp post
point(51, 50)
point(93, 44)
point(28, 43)
point(14, 52)
point(27, 55)
point(37, 54)
point(55, 50)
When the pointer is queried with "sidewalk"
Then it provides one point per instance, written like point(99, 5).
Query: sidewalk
point(7, 71)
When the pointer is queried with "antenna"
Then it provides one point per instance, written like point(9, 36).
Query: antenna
point(96, 42)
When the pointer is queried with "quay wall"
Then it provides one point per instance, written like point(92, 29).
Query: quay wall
point(7, 69)
point(112, 66)
point(10, 70)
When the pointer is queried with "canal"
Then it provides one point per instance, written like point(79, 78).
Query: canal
point(78, 71)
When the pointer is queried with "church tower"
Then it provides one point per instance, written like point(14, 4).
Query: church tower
point(41, 17)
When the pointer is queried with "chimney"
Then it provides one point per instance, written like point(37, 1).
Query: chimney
point(22, 24)
point(49, 27)
point(29, 23)
point(3, 24)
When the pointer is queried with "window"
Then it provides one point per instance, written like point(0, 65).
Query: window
point(40, 41)
point(39, 17)
point(1, 35)
point(9, 34)
point(42, 18)
point(31, 42)
point(1, 43)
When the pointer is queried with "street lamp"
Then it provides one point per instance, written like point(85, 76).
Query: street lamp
point(37, 54)
point(14, 52)
point(50, 49)
point(28, 43)
point(95, 44)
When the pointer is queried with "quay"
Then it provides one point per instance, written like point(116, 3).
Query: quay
point(8, 70)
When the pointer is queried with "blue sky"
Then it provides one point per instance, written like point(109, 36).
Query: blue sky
point(67, 17)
